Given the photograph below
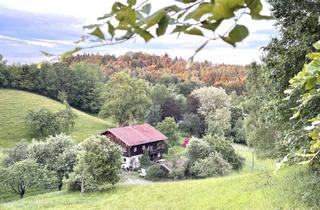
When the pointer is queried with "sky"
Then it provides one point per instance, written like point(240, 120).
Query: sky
point(28, 27)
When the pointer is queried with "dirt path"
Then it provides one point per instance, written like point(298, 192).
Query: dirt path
point(132, 178)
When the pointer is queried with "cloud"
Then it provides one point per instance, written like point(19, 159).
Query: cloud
point(53, 25)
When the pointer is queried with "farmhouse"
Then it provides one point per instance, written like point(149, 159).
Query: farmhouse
point(134, 139)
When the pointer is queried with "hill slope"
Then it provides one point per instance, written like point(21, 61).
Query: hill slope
point(246, 191)
point(15, 104)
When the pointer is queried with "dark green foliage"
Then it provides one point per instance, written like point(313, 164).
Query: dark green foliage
point(98, 165)
point(156, 173)
point(210, 166)
point(127, 99)
point(80, 82)
point(169, 128)
point(236, 132)
point(15, 154)
point(192, 125)
point(198, 149)
point(57, 154)
point(145, 159)
point(22, 175)
point(220, 145)
point(43, 122)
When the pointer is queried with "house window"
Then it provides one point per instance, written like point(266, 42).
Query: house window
point(134, 149)
point(143, 147)
point(159, 154)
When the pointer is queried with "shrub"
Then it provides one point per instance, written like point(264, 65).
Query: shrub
point(23, 175)
point(178, 173)
point(198, 149)
point(169, 128)
point(156, 173)
point(213, 165)
point(99, 162)
point(145, 159)
point(220, 145)
point(44, 122)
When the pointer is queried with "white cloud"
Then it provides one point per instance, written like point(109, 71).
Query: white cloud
point(87, 12)
point(29, 42)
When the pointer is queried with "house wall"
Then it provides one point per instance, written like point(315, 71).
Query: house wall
point(156, 149)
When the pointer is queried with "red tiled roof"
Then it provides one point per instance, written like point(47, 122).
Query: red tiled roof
point(137, 134)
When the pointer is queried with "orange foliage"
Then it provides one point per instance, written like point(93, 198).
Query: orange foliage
point(230, 77)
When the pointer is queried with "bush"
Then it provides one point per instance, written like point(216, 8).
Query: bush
point(169, 128)
point(99, 163)
point(220, 145)
point(213, 165)
point(145, 159)
point(43, 122)
point(198, 149)
point(177, 173)
point(156, 173)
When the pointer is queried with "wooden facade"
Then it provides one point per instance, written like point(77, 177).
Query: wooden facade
point(155, 149)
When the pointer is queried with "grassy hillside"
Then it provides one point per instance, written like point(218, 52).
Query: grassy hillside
point(14, 106)
point(245, 190)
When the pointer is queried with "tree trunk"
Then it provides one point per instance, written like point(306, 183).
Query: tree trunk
point(22, 191)
point(60, 186)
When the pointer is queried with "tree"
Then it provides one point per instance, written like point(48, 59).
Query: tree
point(131, 19)
point(219, 145)
point(308, 79)
point(169, 128)
point(23, 175)
point(99, 162)
point(191, 124)
point(215, 107)
point(213, 165)
point(17, 153)
point(57, 154)
point(42, 122)
point(145, 159)
point(197, 150)
point(127, 99)
point(86, 82)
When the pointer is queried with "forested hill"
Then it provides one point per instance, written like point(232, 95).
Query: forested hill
point(230, 77)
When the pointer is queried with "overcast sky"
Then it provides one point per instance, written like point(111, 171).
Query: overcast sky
point(28, 26)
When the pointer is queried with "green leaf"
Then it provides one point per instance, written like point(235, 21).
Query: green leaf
point(255, 7)
point(117, 6)
point(201, 10)
point(180, 28)
point(69, 53)
point(162, 25)
point(105, 16)
point(237, 34)
point(317, 45)
point(194, 31)
point(98, 33)
point(126, 16)
point(46, 53)
point(143, 33)
point(155, 18)
point(210, 25)
point(224, 9)
point(146, 9)
point(131, 2)
point(111, 29)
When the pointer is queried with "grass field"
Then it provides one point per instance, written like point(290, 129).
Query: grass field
point(14, 106)
point(261, 189)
